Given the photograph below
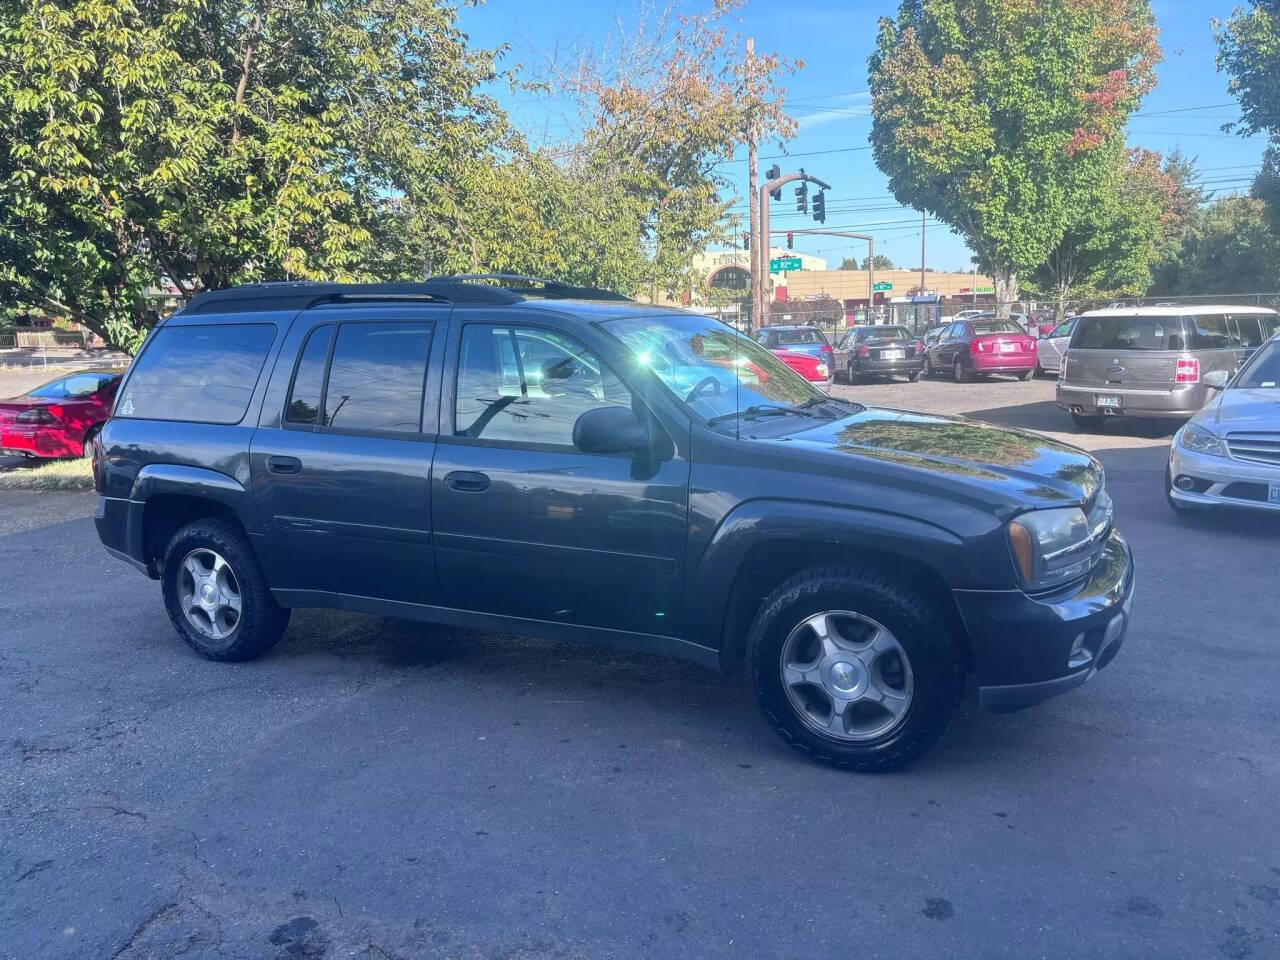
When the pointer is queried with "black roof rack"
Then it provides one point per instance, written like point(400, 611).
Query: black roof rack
point(471, 288)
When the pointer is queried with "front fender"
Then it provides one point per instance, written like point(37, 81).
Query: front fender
point(756, 524)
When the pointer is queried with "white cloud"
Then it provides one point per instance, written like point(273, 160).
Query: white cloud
point(842, 107)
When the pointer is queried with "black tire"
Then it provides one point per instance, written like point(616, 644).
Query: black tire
point(932, 643)
point(927, 370)
point(86, 449)
point(1088, 422)
point(913, 377)
point(261, 621)
point(1028, 375)
point(853, 375)
point(960, 373)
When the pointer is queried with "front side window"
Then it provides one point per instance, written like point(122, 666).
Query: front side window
point(197, 374)
point(528, 385)
point(376, 377)
point(708, 366)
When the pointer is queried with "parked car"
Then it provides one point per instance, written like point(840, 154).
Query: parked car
point(933, 333)
point(59, 418)
point(1228, 454)
point(970, 347)
point(531, 458)
point(1151, 361)
point(810, 366)
point(798, 339)
point(885, 350)
point(1052, 347)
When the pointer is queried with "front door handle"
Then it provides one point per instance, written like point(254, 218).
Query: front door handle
point(284, 464)
point(466, 481)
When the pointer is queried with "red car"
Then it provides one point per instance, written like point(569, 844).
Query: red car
point(813, 367)
point(969, 347)
point(59, 419)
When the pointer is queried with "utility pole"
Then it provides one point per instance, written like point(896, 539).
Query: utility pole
point(921, 251)
point(752, 201)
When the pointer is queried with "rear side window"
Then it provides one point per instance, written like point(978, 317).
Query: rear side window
point(1128, 333)
point(308, 380)
point(197, 374)
point(376, 377)
point(1208, 332)
point(1246, 330)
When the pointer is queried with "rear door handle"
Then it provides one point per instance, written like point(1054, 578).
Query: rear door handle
point(465, 481)
point(284, 464)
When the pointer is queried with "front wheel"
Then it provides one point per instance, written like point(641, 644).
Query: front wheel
point(216, 594)
point(854, 669)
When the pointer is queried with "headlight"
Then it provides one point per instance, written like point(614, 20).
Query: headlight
point(1055, 546)
point(1198, 440)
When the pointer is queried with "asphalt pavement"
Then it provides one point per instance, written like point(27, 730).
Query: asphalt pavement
point(379, 789)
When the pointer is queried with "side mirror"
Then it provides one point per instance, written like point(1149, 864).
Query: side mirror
point(1217, 379)
point(610, 430)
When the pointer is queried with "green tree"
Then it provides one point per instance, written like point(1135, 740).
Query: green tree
point(1121, 229)
point(1249, 53)
point(852, 263)
point(992, 115)
point(206, 142)
point(1227, 248)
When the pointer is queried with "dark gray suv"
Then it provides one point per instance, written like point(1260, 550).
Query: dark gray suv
point(565, 463)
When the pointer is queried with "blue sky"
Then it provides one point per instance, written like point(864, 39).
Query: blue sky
point(828, 98)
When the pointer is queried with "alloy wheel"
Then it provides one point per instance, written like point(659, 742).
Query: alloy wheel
point(846, 676)
point(209, 593)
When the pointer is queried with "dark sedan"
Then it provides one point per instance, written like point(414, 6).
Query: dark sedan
point(884, 350)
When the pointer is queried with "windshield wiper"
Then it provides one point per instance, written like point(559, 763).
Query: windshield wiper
point(760, 410)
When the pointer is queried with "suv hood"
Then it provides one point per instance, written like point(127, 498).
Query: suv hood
point(1245, 410)
point(1012, 465)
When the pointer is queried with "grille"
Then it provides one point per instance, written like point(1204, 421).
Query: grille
point(1240, 490)
point(1255, 447)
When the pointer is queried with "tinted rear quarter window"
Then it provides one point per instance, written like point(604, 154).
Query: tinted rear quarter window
point(1128, 332)
point(197, 374)
point(1208, 332)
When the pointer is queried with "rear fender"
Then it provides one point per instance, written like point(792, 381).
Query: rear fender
point(197, 482)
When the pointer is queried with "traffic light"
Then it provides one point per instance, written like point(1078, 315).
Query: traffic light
point(802, 198)
point(791, 240)
point(820, 207)
point(773, 173)
point(746, 241)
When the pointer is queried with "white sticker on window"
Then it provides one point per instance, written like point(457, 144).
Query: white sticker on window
point(127, 409)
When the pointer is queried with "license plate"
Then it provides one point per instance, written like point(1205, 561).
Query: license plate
point(892, 354)
point(1273, 495)
point(1008, 348)
point(1109, 402)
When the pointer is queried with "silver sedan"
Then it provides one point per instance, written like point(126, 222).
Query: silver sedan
point(1228, 454)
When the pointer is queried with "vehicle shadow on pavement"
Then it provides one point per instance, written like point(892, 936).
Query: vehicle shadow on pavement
point(1045, 416)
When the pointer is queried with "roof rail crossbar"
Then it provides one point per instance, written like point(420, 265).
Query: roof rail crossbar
point(298, 295)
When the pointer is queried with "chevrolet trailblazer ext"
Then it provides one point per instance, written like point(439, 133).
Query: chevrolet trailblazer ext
point(526, 457)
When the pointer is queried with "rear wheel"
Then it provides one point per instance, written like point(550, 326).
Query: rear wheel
point(927, 371)
point(855, 669)
point(961, 374)
point(87, 449)
point(1028, 375)
point(1087, 421)
point(913, 377)
point(216, 594)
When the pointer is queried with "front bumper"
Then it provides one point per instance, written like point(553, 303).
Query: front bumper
point(1025, 648)
point(1221, 481)
point(1177, 403)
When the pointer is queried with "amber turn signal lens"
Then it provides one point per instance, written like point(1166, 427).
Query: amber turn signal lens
point(1023, 551)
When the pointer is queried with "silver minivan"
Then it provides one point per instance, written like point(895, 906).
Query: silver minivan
point(1151, 361)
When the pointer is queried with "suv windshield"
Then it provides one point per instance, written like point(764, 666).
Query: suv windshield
point(1263, 372)
point(1128, 333)
point(710, 367)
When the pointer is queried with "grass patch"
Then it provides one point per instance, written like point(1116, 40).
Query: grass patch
point(53, 475)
